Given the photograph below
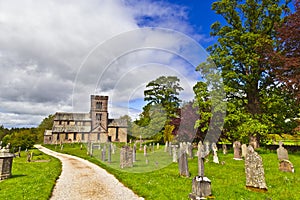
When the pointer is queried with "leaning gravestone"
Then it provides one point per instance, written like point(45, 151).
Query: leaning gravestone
point(201, 185)
point(255, 175)
point(286, 166)
point(282, 153)
point(126, 157)
point(237, 150)
point(244, 150)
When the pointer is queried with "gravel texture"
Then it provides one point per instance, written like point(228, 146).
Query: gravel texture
point(81, 179)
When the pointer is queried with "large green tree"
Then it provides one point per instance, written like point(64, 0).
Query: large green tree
point(248, 26)
point(164, 91)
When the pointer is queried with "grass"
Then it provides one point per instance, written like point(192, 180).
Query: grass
point(228, 180)
point(31, 180)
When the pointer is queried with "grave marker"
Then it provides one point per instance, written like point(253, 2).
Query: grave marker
point(255, 175)
point(237, 150)
point(126, 157)
point(282, 153)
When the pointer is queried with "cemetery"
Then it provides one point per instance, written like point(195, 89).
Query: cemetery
point(230, 179)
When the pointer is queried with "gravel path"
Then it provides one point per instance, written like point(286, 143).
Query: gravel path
point(81, 179)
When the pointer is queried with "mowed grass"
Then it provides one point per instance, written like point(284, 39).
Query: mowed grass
point(31, 180)
point(228, 180)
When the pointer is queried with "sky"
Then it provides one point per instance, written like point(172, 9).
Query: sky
point(55, 54)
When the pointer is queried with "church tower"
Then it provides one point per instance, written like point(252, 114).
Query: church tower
point(99, 113)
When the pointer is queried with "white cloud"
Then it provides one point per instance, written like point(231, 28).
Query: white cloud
point(44, 43)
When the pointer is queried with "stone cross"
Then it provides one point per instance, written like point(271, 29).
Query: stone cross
point(255, 175)
point(215, 155)
point(244, 150)
point(201, 185)
point(237, 150)
point(282, 153)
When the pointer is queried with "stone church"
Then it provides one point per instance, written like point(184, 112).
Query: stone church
point(94, 126)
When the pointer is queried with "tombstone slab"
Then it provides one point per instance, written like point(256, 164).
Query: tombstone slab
point(6, 160)
point(237, 150)
point(126, 157)
point(282, 153)
point(255, 175)
point(286, 166)
point(244, 150)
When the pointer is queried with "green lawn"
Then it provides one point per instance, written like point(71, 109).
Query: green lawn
point(31, 180)
point(228, 180)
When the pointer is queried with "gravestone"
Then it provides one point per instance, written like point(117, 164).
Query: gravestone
point(244, 150)
point(134, 152)
point(190, 150)
point(237, 150)
point(126, 157)
point(286, 166)
point(103, 151)
point(183, 163)
point(109, 153)
point(282, 153)
point(6, 160)
point(166, 146)
point(255, 175)
point(215, 155)
point(174, 152)
point(170, 148)
point(157, 146)
point(224, 148)
point(145, 150)
point(201, 185)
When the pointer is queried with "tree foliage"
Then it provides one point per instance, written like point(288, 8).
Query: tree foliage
point(249, 27)
point(164, 91)
point(286, 57)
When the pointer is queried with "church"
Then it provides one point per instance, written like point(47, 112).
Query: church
point(94, 126)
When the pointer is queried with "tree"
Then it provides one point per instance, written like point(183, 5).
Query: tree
point(46, 124)
point(164, 91)
point(249, 26)
point(286, 57)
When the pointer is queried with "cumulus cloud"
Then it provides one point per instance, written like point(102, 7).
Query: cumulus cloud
point(54, 54)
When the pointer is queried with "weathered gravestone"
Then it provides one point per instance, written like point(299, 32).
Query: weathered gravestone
point(244, 150)
point(282, 153)
point(224, 148)
point(237, 150)
point(201, 185)
point(255, 175)
point(126, 157)
point(286, 166)
point(183, 163)
point(6, 160)
point(215, 155)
